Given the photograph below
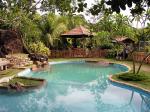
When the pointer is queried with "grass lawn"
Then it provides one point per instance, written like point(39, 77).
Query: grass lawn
point(25, 81)
point(22, 80)
point(145, 83)
point(9, 72)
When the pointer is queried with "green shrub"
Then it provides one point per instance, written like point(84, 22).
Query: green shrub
point(39, 48)
point(111, 54)
point(106, 46)
point(132, 77)
point(147, 48)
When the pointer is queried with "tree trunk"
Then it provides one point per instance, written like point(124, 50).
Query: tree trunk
point(24, 45)
point(133, 61)
point(146, 57)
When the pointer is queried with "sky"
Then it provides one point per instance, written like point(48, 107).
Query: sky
point(91, 18)
point(125, 13)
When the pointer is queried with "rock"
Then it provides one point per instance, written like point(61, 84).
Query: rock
point(17, 86)
point(2, 55)
point(38, 57)
point(18, 61)
point(10, 42)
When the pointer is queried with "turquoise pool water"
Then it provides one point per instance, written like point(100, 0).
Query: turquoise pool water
point(77, 87)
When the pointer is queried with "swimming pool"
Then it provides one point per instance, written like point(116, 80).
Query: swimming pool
point(77, 87)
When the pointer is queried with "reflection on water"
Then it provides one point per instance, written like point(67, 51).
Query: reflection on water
point(145, 104)
point(77, 88)
point(107, 96)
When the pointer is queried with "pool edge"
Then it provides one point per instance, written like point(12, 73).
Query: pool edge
point(22, 73)
point(27, 70)
point(125, 83)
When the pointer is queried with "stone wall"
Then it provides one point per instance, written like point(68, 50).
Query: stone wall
point(10, 42)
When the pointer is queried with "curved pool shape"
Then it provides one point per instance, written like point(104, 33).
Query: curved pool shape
point(77, 87)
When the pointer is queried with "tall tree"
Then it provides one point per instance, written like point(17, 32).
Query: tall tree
point(64, 7)
point(52, 26)
point(118, 5)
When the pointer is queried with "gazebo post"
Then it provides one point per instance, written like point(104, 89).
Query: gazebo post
point(74, 43)
point(91, 42)
point(78, 32)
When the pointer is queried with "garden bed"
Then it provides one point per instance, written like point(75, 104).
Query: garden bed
point(141, 81)
point(9, 72)
point(25, 82)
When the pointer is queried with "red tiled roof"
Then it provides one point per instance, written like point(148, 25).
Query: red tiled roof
point(78, 31)
point(122, 38)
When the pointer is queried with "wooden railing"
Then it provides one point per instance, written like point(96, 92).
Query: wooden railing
point(78, 53)
point(139, 56)
point(82, 53)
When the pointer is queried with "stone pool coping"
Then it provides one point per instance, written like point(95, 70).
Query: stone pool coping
point(28, 70)
point(126, 83)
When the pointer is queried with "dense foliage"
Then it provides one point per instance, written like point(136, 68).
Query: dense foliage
point(59, 16)
point(109, 27)
point(39, 48)
point(132, 77)
point(135, 6)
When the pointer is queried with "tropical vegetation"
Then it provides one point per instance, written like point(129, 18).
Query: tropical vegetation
point(40, 23)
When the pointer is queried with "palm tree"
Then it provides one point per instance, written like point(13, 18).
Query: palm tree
point(105, 23)
point(52, 26)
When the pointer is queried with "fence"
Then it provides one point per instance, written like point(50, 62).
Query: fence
point(139, 56)
point(78, 53)
point(82, 53)
point(142, 44)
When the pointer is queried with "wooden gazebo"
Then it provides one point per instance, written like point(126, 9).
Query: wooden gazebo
point(77, 32)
